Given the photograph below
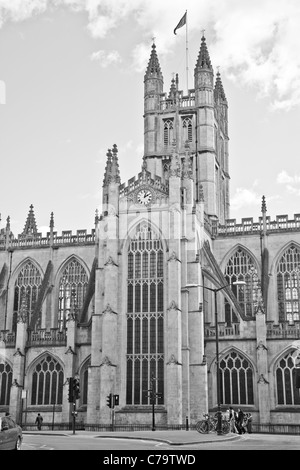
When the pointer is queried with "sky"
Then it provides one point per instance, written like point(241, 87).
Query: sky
point(71, 86)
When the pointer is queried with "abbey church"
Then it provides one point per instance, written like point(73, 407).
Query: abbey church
point(164, 292)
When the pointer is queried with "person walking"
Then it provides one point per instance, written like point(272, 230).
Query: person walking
point(240, 421)
point(39, 421)
point(232, 420)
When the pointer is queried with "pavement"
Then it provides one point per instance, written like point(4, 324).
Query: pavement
point(174, 438)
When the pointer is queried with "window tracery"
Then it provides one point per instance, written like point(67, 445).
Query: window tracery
point(145, 318)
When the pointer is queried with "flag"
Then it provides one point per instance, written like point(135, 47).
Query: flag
point(181, 23)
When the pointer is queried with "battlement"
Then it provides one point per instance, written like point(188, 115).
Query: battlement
point(183, 101)
point(38, 241)
point(247, 226)
point(144, 177)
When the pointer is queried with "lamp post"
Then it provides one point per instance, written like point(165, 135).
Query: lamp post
point(216, 290)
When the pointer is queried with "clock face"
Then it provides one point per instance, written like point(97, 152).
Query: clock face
point(144, 197)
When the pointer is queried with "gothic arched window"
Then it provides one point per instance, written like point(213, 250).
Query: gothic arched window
point(145, 318)
point(285, 372)
point(236, 380)
point(168, 132)
point(72, 288)
point(187, 129)
point(6, 374)
point(84, 373)
point(241, 267)
point(27, 287)
point(47, 382)
point(288, 284)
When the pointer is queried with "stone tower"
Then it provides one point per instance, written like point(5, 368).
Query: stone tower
point(200, 119)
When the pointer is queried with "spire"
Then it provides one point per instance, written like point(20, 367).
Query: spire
point(173, 89)
point(107, 172)
point(30, 228)
point(203, 61)
point(153, 67)
point(219, 90)
point(263, 205)
point(115, 171)
point(51, 225)
point(112, 172)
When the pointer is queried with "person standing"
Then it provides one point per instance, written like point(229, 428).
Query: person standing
point(39, 421)
point(240, 421)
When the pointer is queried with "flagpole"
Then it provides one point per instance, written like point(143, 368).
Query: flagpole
point(186, 54)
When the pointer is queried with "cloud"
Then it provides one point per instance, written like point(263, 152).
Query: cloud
point(255, 42)
point(20, 10)
point(2, 92)
point(106, 58)
point(244, 198)
point(292, 183)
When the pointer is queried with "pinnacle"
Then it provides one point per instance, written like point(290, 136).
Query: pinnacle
point(30, 228)
point(203, 60)
point(153, 64)
point(219, 90)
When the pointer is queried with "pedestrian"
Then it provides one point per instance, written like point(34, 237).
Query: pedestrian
point(39, 421)
point(232, 420)
point(240, 421)
point(249, 423)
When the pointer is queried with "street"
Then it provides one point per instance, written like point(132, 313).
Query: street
point(104, 444)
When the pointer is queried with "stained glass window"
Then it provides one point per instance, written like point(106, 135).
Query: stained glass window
point(72, 288)
point(285, 372)
point(6, 374)
point(47, 382)
point(241, 267)
point(145, 318)
point(27, 287)
point(236, 380)
point(288, 284)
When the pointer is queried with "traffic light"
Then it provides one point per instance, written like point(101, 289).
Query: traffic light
point(116, 400)
point(71, 390)
point(109, 400)
point(76, 387)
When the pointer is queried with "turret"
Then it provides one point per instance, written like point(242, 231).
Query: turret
point(153, 88)
point(204, 77)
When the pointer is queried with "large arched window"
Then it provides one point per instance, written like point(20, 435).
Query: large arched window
point(47, 382)
point(241, 267)
point(288, 284)
point(145, 319)
point(27, 287)
point(72, 288)
point(236, 380)
point(6, 374)
point(285, 372)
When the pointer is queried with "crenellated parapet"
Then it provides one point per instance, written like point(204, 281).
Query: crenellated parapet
point(144, 177)
point(67, 237)
point(247, 226)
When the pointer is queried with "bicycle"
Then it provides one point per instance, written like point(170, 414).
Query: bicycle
point(210, 424)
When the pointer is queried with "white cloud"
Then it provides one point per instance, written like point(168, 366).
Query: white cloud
point(2, 92)
point(106, 58)
point(284, 178)
point(254, 41)
point(244, 198)
point(292, 183)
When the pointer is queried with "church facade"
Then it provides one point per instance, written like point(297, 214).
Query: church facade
point(162, 293)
